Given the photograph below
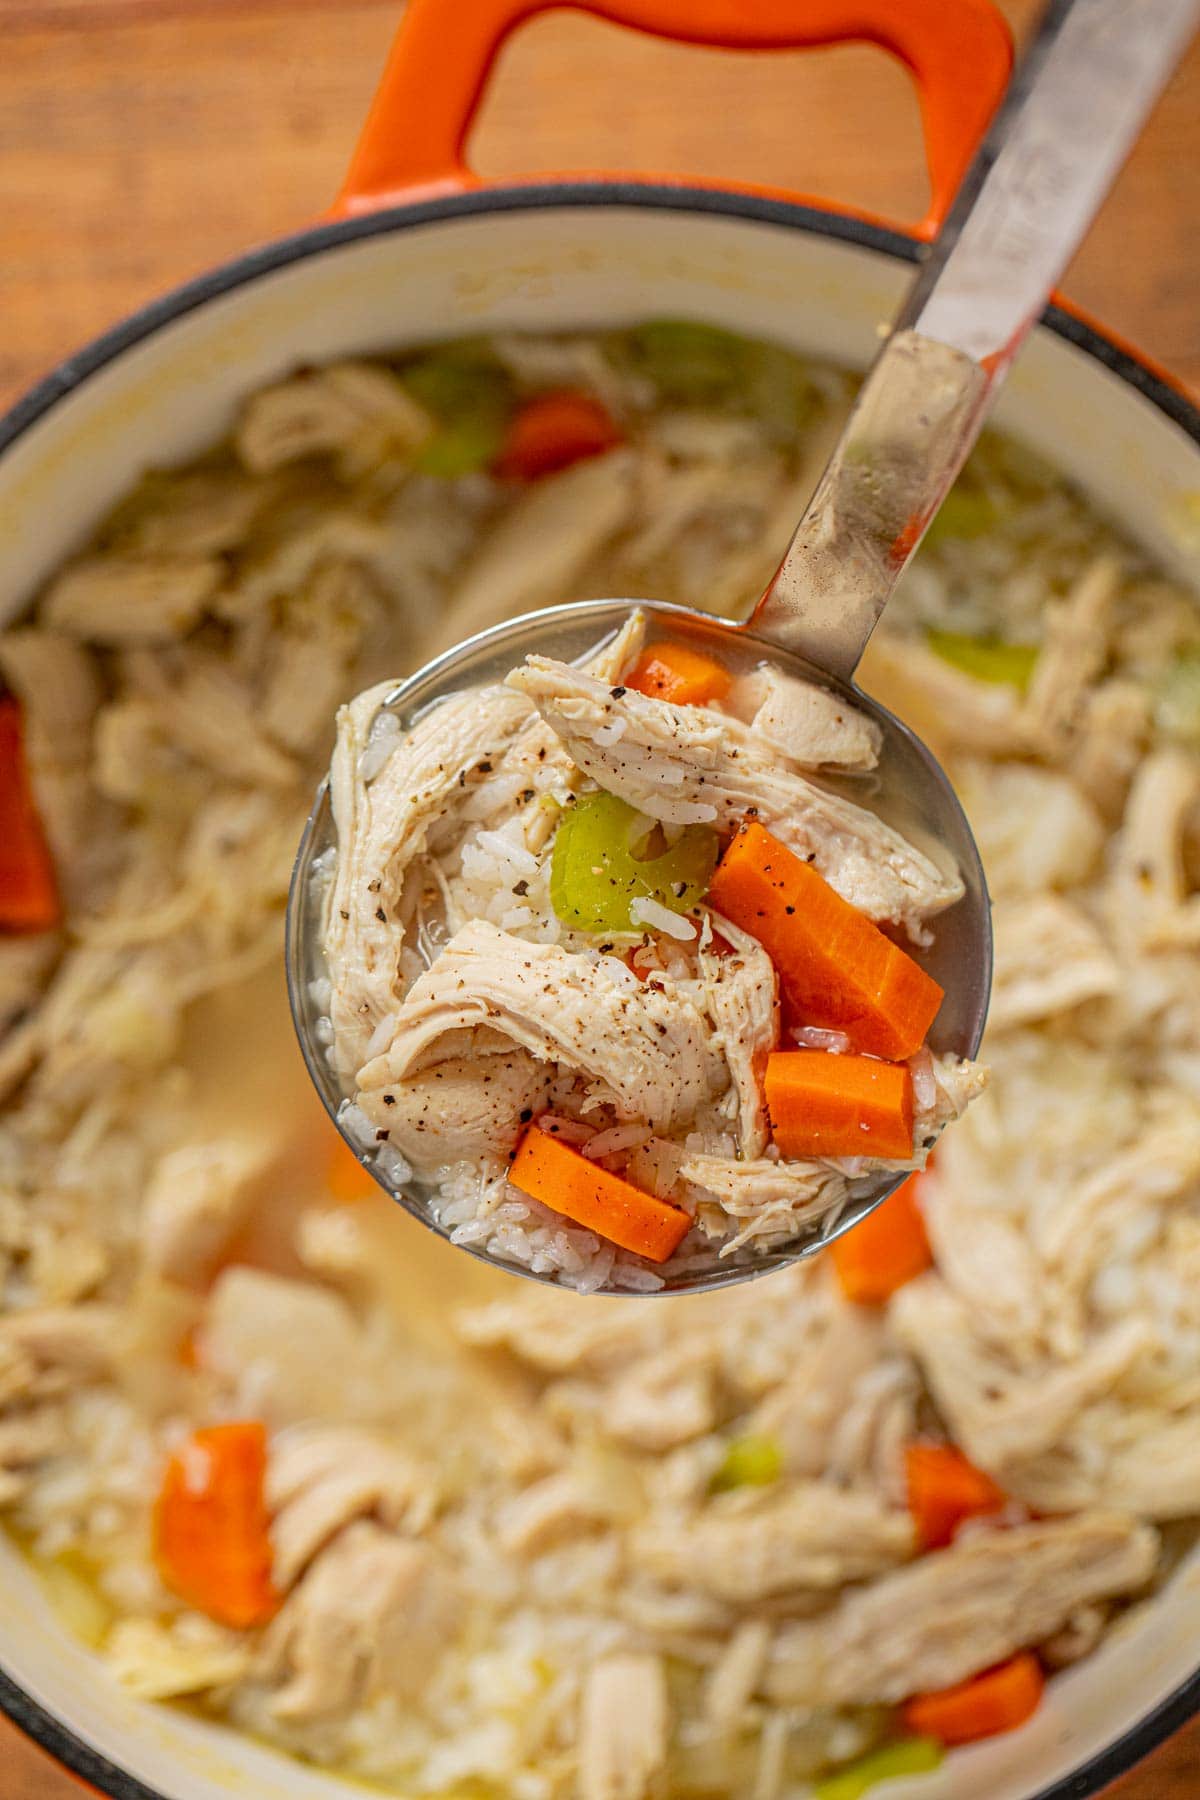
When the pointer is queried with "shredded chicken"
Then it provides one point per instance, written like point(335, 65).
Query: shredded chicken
point(680, 764)
point(811, 727)
point(623, 1726)
point(648, 1045)
point(958, 1611)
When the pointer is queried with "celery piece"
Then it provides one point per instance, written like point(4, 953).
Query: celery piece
point(702, 365)
point(964, 513)
point(751, 1461)
point(596, 871)
point(1177, 707)
point(460, 448)
point(907, 1756)
point(471, 398)
point(987, 659)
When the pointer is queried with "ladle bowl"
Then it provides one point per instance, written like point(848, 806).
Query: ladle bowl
point(916, 797)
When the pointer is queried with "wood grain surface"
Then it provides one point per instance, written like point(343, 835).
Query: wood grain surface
point(143, 140)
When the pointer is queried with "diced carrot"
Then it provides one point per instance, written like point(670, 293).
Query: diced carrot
point(884, 1250)
point(670, 671)
point(999, 1700)
point(944, 1489)
point(552, 431)
point(566, 1181)
point(348, 1179)
point(826, 1105)
point(837, 968)
point(212, 1545)
point(28, 891)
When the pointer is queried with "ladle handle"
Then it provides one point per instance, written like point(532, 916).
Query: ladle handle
point(1077, 103)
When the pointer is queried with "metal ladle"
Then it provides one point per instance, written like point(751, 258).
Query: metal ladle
point(1076, 105)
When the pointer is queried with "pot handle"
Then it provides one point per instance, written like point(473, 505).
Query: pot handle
point(959, 53)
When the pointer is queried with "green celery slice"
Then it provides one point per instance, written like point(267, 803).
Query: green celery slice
point(987, 659)
point(595, 872)
point(908, 1756)
point(751, 1461)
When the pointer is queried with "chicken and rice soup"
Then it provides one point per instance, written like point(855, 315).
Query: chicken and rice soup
point(282, 1456)
point(574, 904)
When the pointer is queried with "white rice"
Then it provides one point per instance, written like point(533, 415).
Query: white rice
point(660, 918)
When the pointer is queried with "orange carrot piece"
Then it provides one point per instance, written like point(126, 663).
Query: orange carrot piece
point(347, 1179)
point(211, 1541)
point(999, 1700)
point(837, 968)
point(552, 431)
point(944, 1489)
point(883, 1251)
point(670, 671)
point(826, 1105)
point(28, 891)
point(563, 1179)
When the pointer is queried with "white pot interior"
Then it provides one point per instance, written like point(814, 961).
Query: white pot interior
point(171, 394)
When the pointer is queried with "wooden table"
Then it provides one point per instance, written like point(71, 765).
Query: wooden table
point(141, 140)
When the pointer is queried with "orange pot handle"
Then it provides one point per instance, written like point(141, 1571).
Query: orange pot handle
point(959, 53)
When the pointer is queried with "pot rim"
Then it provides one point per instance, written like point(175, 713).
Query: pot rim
point(46, 1729)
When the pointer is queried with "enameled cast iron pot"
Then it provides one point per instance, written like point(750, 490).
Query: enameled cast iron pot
point(417, 248)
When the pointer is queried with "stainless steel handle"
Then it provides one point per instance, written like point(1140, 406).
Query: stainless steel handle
point(1078, 101)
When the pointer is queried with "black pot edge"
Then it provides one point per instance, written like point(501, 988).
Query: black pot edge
point(43, 1726)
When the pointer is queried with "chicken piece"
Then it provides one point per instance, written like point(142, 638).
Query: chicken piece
point(1034, 828)
point(309, 658)
point(58, 686)
point(958, 1611)
point(461, 1109)
point(1110, 742)
point(1073, 652)
point(742, 997)
point(1156, 1473)
point(687, 764)
point(356, 408)
point(368, 1620)
point(189, 513)
point(663, 1400)
point(1148, 887)
point(623, 1728)
point(26, 1438)
point(983, 1255)
point(289, 549)
point(209, 714)
point(811, 727)
point(736, 1674)
point(320, 1478)
point(131, 600)
point(197, 1198)
point(288, 1349)
point(946, 707)
point(646, 1042)
point(540, 546)
point(776, 1199)
point(155, 1661)
point(1004, 1415)
point(552, 1333)
point(868, 1441)
point(1049, 957)
point(1077, 1638)
point(536, 763)
point(800, 1414)
point(556, 1507)
point(755, 1545)
point(382, 825)
point(956, 1083)
point(60, 1347)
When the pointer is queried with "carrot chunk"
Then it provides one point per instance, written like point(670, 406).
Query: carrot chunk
point(998, 1700)
point(563, 1179)
point(944, 1489)
point(551, 432)
point(837, 969)
point(28, 891)
point(674, 672)
point(884, 1250)
point(211, 1540)
point(825, 1105)
point(348, 1179)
